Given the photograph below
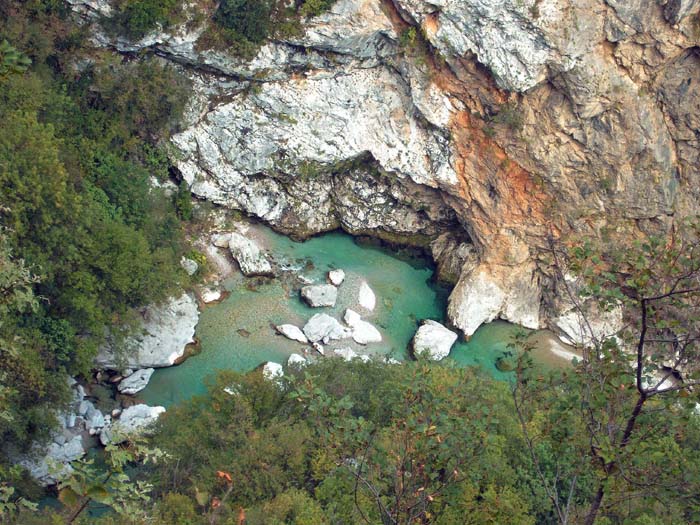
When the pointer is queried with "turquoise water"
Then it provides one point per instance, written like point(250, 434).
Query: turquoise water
point(239, 333)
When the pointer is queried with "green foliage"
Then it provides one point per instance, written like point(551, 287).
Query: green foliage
point(245, 19)
point(182, 200)
point(136, 18)
point(310, 8)
point(11, 60)
point(241, 26)
point(84, 237)
point(295, 452)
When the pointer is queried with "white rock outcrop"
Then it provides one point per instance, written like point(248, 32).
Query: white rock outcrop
point(166, 330)
point(135, 382)
point(249, 257)
point(292, 332)
point(434, 340)
point(50, 465)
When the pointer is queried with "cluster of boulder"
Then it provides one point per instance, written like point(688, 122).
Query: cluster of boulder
point(50, 463)
point(323, 328)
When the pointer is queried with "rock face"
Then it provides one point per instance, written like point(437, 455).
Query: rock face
point(166, 331)
point(248, 256)
point(323, 327)
point(538, 120)
point(54, 465)
point(135, 382)
point(318, 295)
point(292, 332)
point(433, 339)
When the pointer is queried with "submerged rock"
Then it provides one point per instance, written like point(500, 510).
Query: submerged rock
point(366, 297)
point(167, 329)
point(135, 382)
point(292, 332)
point(134, 420)
point(433, 339)
point(336, 277)
point(323, 327)
point(319, 295)
point(362, 331)
point(248, 256)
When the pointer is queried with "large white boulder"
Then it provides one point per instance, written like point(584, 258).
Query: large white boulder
point(319, 295)
point(366, 297)
point(134, 420)
point(292, 332)
point(434, 340)
point(135, 382)
point(166, 330)
point(362, 331)
point(249, 257)
point(323, 327)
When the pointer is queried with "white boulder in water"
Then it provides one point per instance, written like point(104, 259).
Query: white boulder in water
point(210, 295)
point(319, 295)
point(135, 382)
point(292, 332)
point(248, 255)
point(434, 340)
point(362, 331)
point(166, 330)
point(272, 371)
point(323, 327)
point(336, 277)
point(366, 297)
point(134, 420)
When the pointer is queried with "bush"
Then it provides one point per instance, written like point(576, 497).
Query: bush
point(136, 18)
point(245, 19)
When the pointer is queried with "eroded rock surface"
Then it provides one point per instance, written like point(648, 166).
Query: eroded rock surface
point(507, 125)
point(434, 340)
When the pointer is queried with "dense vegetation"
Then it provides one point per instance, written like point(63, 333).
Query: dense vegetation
point(84, 237)
point(347, 443)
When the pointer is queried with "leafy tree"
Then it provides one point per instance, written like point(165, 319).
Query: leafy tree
point(11, 60)
point(617, 428)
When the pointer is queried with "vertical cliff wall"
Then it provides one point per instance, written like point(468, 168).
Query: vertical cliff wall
point(493, 124)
